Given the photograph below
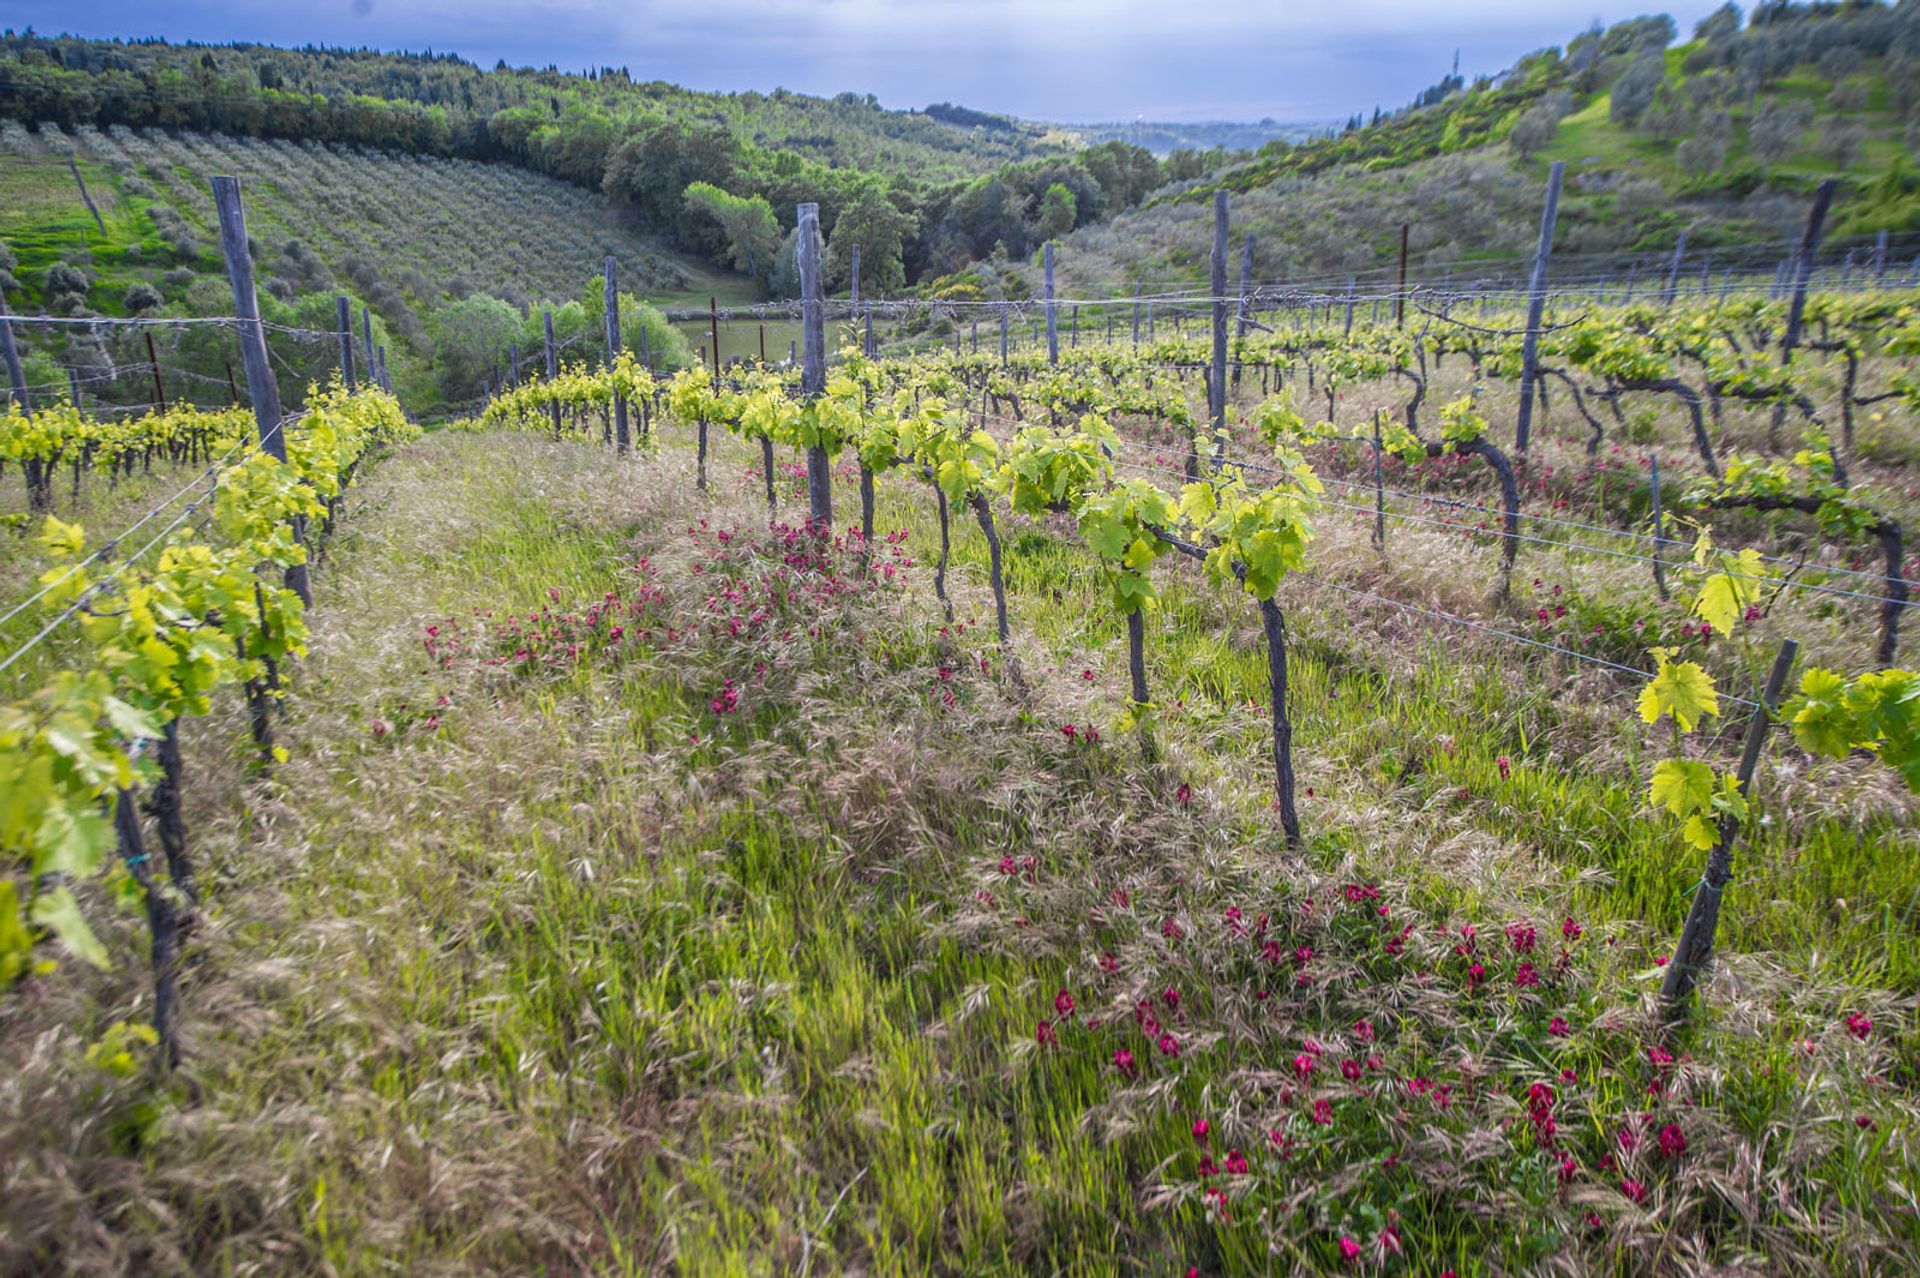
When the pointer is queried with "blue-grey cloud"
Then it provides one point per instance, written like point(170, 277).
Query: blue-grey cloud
point(1073, 60)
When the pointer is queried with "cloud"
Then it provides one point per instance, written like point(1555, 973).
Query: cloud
point(1075, 60)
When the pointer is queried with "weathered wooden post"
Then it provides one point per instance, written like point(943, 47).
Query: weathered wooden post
point(16, 375)
point(343, 320)
point(1536, 306)
point(1246, 284)
point(1379, 489)
point(1695, 949)
point(1352, 281)
point(1659, 524)
point(1400, 294)
point(612, 268)
point(366, 345)
point(813, 373)
point(553, 370)
point(1053, 317)
point(1673, 271)
point(1802, 265)
point(153, 365)
point(1217, 371)
point(713, 318)
point(513, 365)
point(261, 386)
point(1003, 335)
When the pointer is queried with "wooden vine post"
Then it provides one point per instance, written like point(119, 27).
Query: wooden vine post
point(1802, 267)
point(553, 369)
point(1053, 314)
point(343, 321)
point(261, 386)
point(39, 474)
point(813, 370)
point(1695, 949)
point(1217, 371)
point(1536, 308)
point(612, 270)
point(1673, 270)
point(1400, 293)
point(366, 343)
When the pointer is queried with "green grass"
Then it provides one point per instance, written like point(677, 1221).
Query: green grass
point(585, 977)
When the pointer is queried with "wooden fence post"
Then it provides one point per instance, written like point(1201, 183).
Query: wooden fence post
point(343, 321)
point(1400, 293)
point(261, 386)
point(1673, 272)
point(1536, 306)
point(1217, 371)
point(611, 268)
point(1379, 489)
point(1659, 525)
point(713, 317)
point(16, 375)
point(1246, 284)
point(813, 372)
point(1695, 948)
point(1003, 335)
point(553, 370)
point(153, 363)
point(1053, 317)
point(1802, 266)
point(366, 331)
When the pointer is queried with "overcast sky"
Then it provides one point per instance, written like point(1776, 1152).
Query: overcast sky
point(1071, 60)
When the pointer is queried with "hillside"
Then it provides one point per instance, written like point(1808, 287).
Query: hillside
point(418, 238)
point(1722, 136)
point(921, 191)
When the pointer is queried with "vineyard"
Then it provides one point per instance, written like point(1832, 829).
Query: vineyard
point(1409, 779)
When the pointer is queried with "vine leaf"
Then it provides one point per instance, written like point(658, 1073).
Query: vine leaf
point(1681, 689)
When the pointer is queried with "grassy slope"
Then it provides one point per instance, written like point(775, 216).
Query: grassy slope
point(584, 976)
point(1589, 139)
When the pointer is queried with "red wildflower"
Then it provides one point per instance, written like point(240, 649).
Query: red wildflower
point(1506, 767)
point(1349, 1250)
point(1860, 1025)
point(1634, 1190)
point(1201, 1130)
point(1323, 1112)
point(1123, 1061)
point(1169, 1045)
point(1558, 1027)
point(1673, 1141)
point(1063, 1003)
point(1043, 1035)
